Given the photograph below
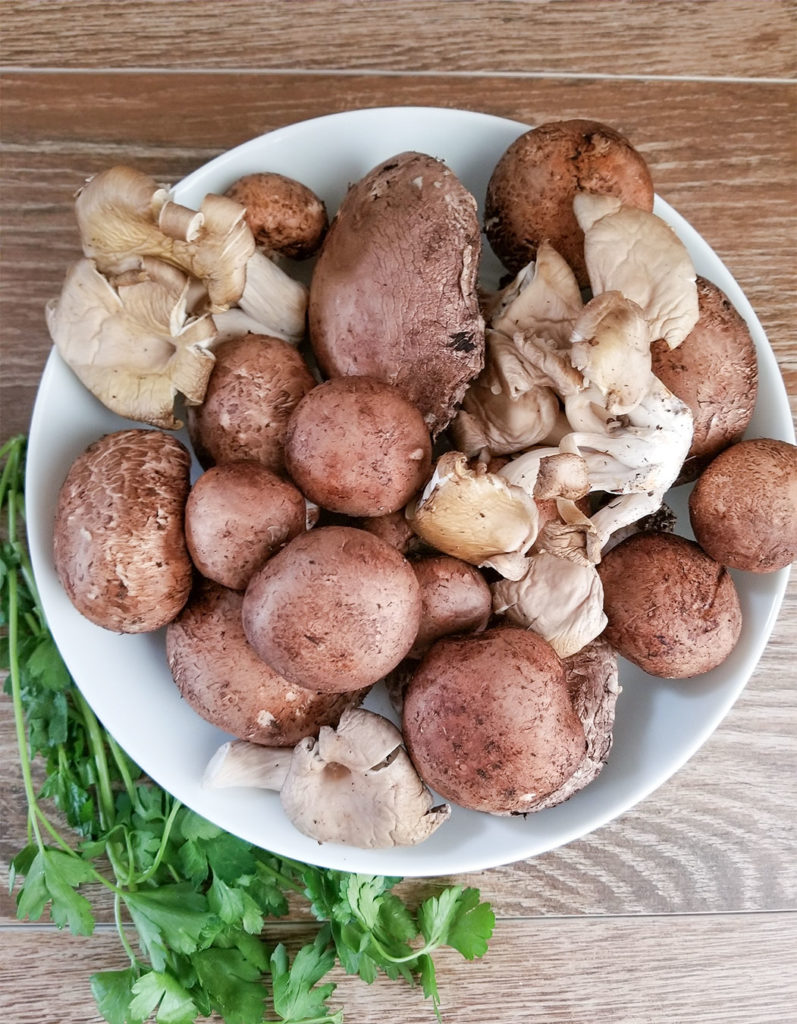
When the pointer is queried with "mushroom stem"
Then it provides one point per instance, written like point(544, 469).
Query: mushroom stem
point(274, 299)
point(238, 763)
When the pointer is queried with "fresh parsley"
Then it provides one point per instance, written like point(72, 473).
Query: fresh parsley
point(190, 900)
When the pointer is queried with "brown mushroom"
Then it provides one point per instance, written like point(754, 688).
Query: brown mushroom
point(456, 599)
point(743, 508)
point(530, 193)
point(393, 294)
point(489, 722)
point(713, 370)
point(285, 216)
point(671, 608)
point(118, 542)
point(336, 609)
point(222, 678)
point(256, 383)
point(355, 445)
point(237, 515)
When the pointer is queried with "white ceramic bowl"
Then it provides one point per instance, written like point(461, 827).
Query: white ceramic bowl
point(660, 723)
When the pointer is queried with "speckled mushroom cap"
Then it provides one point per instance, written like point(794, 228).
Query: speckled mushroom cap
point(255, 385)
point(489, 723)
point(714, 370)
point(743, 508)
point(530, 193)
point(671, 608)
point(336, 609)
point(284, 215)
point(118, 541)
point(219, 674)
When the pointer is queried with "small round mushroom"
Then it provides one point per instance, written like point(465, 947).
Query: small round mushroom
point(354, 785)
point(531, 190)
point(254, 387)
point(713, 370)
point(336, 609)
point(237, 515)
point(393, 528)
point(671, 608)
point(743, 508)
point(219, 674)
point(118, 543)
point(489, 722)
point(355, 445)
point(285, 216)
point(456, 599)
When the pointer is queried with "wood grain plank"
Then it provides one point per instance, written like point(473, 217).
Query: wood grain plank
point(658, 37)
point(582, 971)
point(717, 153)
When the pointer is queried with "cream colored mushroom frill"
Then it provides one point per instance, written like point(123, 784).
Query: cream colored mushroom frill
point(136, 318)
point(353, 785)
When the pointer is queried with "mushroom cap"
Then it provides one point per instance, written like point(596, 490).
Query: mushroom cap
point(456, 599)
point(355, 445)
point(256, 383)
point(714, 370)
point(220, 675)
point(671, 608)
point(489, 722)
point(530, 193)
point(393, 294)
point(118, 542)
point(593, 681)
point(356, 785)
point(336, 609)
point(237, 515)
point(284, 215)
point(743, 508)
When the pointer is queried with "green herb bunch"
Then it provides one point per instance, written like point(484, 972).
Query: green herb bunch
point(190, 900)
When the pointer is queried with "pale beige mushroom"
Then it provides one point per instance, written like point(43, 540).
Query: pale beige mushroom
point(124, 215)
point(638, 254)
point(475, 515)
point(353, 785)
point(558, 598)
point(133, 345)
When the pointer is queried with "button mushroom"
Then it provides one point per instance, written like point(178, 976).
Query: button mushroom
point(118, 541)
point(285, 216)
point(222, 678)
point(671, 608)
point(336, 609)
point(354, 785)
point(489, 722)
point(743, 508)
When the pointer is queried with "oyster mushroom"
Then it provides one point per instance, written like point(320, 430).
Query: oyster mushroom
point(132, 342)
point(124, 215)
point(475, 515)
point(353, 785)
point(559, 598)
point(638, 254)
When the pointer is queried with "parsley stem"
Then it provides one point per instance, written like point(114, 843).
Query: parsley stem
point(16, 697)
point(281, 878)
point(167, 828)
point(117, 917)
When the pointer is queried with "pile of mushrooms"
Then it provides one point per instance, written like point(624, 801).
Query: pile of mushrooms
point(409, 478)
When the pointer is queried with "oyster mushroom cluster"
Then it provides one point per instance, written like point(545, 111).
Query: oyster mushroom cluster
point(410, 478)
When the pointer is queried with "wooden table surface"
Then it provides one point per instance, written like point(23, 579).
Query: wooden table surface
point(683, 909)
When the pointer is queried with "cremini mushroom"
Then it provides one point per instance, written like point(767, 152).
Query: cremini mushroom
point(286, 217)
point(353, 785)
point(475, 515)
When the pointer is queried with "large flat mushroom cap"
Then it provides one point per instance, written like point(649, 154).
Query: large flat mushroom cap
point(393, 294)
